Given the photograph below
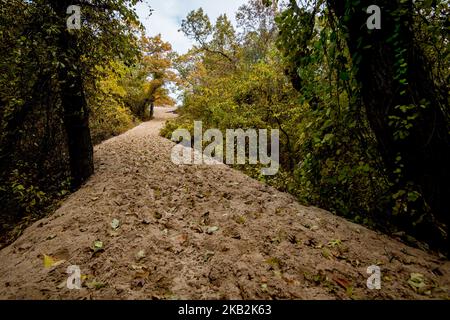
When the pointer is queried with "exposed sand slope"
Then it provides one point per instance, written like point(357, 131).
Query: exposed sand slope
point(267, 245)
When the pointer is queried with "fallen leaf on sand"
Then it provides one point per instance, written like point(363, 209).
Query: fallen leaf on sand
point(95, 285)
point(141, 274)
point(342, 282)
point(115, 224)
point(140, 255)
point(49, 262)
point(136, 267)
point(197, 228)
point(97, 246)
point(334, 243)
point(212, 230)
point(208, 256)
point(137, 283)
point(181, 239)
point(417, 281)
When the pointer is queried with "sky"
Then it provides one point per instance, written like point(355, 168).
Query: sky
point(167, 15)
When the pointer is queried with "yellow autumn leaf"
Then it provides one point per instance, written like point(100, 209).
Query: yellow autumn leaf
point(50, 262)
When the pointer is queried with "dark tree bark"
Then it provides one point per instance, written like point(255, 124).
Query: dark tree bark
point(144, 112)
point(425, 151)
point(76, 113)
point(152, 108)
point(76, 122)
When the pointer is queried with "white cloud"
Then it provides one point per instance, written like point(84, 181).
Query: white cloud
point(167, 16)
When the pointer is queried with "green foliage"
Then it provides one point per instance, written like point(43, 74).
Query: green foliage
point(327, 152)
point(24, 192)
point(303, 82)
point(109, 114)
point(105, 63)
point(371, 171)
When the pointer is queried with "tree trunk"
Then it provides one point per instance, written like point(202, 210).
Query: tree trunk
point(76, 114)
point(152, 109)
point(425, 152)
point(76, 122)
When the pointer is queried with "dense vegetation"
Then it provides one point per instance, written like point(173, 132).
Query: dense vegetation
point(62, 90)
point(364, 114)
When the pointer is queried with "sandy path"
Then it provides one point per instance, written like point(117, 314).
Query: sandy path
point(266, 246)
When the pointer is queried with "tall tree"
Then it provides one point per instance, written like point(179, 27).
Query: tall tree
point(406, 108)
point(257, 28)
point(106, 32)
point(219, 40)
point(405, 103)
point(157, 64)
point(76, 113)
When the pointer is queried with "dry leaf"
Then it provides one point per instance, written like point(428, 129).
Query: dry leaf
point(342, 282)
point(140, 255)
point(212, 230)
point(49, 262)
point(115, 224)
